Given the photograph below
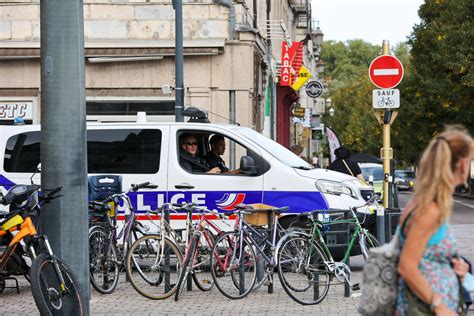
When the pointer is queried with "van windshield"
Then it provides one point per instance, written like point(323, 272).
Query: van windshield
point(275, 149)
point(375, 172)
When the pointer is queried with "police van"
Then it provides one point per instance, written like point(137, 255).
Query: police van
point(268, 173)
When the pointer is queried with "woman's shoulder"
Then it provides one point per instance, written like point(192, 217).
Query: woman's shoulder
point(427, 218)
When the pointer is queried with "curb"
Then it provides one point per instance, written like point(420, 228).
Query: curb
point(466, 196)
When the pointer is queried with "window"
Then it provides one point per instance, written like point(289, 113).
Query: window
point(123, 151)
point(227, 154)
point(130, 108)
point(109, 151)
point(22, 152)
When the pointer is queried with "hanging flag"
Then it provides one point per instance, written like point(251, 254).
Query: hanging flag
point(333, 143)
point(267, 124)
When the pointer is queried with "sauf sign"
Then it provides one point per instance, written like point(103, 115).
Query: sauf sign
point(386, 72)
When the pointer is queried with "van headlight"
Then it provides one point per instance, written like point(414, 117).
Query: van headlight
point(332, 187)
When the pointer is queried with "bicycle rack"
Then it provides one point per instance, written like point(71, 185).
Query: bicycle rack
point(167, 258)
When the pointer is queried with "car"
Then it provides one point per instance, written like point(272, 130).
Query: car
point(404, 179)
point(373, 174)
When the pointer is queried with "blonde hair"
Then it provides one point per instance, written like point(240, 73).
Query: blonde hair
point(435, 180)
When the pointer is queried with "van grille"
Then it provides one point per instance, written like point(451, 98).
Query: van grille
point(367, 194)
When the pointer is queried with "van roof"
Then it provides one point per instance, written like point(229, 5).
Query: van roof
point(131, 124)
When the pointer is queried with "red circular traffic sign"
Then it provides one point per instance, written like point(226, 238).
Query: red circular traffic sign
point(386, 72)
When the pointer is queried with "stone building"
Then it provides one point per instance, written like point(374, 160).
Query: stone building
point(129, 59)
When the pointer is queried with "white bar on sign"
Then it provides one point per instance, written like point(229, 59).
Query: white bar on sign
point(385, 72)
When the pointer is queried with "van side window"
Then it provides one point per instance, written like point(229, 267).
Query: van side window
point(22, 152)
point(109, 151)
point(123, 151)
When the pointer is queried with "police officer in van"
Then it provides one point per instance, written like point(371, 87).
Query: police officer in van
point(189, 159)
point(214, 159)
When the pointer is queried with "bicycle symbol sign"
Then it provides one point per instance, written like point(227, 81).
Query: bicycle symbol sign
point(314, 89)
point(385, 98)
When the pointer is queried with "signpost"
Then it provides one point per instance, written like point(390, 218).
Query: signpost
point(386, 99)
point(314, 89)
point(386, 72)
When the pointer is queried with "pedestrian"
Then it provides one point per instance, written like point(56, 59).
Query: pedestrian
point(214, 159)
point(429, 266)
point(189, 159)
point(343, 163)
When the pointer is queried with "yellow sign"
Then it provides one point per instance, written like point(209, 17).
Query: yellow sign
point(303, 76)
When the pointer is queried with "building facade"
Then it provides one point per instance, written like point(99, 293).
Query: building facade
point(232, 51)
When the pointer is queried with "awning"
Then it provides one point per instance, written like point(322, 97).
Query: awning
point(10, 50)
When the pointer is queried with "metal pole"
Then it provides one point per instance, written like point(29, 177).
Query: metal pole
point(386, 162)
point(63, 143)
point(233, 118)
point(179, 106)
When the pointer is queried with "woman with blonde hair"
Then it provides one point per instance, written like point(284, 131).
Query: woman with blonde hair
point(428, 266)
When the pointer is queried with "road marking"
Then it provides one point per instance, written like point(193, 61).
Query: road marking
point(386, 72)
point(465, 204)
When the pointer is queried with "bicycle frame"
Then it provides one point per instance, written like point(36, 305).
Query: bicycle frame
point(316, 234)
point(27, 228)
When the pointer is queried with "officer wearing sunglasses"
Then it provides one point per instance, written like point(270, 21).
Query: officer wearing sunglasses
point(189, 159)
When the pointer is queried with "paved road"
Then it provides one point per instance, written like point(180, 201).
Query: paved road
point(125, 301)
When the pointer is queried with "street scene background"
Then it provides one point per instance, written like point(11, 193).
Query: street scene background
point(125, 301)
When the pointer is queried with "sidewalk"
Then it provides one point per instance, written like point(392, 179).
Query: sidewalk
point(125, 301)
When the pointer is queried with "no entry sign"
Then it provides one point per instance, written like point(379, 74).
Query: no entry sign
point(386, 72)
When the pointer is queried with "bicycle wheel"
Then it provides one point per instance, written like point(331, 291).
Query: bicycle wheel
point(186, 268)
point(153, 265)
point(369, 241)
point(302, 270)
point(233, 265)
point(51, 296)
point(104, 266)
point(202, 262)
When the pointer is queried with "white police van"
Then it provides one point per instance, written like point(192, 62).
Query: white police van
point(140, 152)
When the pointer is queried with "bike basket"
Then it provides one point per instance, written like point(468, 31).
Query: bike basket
point(259, 218)
point(11, 222)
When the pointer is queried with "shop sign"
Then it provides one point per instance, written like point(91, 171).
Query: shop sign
point(10, 110)
point(291, 62)
point(299, 111)
point(303, 76)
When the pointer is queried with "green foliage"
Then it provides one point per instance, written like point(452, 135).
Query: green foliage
point(351, 92)
point(437, 89)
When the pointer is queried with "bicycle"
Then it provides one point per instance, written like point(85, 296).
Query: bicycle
point(305, 264)
point(233, 260)
point(106, 258)
point(53, 284)
point(154, 261)
point(198, 253)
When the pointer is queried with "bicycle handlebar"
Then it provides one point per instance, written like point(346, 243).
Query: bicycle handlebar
point(369, 201)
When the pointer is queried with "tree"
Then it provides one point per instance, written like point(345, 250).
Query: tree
point(351, 91)
point(439, 90)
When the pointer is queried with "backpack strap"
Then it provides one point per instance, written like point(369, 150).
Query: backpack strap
point(404, 223)
point(345, 164)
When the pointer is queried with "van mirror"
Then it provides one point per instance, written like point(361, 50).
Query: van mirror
point(247, 166)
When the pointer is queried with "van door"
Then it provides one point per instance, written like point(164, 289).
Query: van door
point(223, 191)
point(135, 153)
point(138, 154)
